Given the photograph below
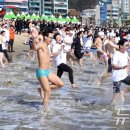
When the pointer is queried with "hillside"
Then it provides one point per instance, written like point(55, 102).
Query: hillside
point(82, 4)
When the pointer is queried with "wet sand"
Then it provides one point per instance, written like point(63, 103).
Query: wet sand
point(85, 108)
point(19, 45)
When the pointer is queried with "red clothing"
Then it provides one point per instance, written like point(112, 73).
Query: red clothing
point(123, 34)
point(11, 32)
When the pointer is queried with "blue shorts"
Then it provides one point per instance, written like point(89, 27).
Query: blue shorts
point(42, 73)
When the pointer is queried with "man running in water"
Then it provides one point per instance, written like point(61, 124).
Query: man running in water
point(119, 73)
point(43, 73)
point(59, 54)
point(110, 48)
point(101, 54)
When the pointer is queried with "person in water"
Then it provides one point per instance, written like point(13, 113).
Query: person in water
point(120, 74)
point(43, 73)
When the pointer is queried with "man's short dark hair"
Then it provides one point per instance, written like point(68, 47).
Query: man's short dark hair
point(126, 33)
point(46, 33)
point(55, 35)
point(122, 41)
point(80, 32)
point(2, 32)
point(11, 26)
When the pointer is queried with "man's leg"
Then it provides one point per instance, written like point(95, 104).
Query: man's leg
point(9, 47)
point(122, 93)
point(47, 91)
point(116, 90)
point(104, 77)
point(59, 71)
point(6, 55)
point(66, 68)
point(55, 80)
point(1, 59)
point(126, 90)
point(12, 42)
point(70, 58)
point(41, 91)
point(81, 63)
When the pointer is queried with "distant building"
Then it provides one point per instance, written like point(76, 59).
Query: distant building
point(115, 10)
point(61, 7)
point(97, 15)
point(125, 8)
point(19, 5)
point(34, 6)
point(106, 1)
point(88, 16)
point(74, 12)
point(48, 7)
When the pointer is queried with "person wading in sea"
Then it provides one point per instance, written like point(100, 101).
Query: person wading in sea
point(43, 73)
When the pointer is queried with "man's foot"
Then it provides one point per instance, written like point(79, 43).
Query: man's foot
point(98, 82)
point(12, 51)
point(3, 66)
point(41, 92)
point(74, 86)
point(118, 100)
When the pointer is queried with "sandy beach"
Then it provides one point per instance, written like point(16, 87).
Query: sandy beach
point(19, 45)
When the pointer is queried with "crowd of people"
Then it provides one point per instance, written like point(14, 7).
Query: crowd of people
point(67, 44)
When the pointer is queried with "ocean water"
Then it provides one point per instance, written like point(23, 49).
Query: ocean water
point(86, 108)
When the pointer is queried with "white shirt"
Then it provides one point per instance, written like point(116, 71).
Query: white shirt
point(87, 41)
point(68, 41)
point(62, 33)
point(73, 32)
point(120, 59)
point(117, 39)
point(7, 35)
point(53, 42)
point(51, 45)
point(3, 43)
point(61, 58)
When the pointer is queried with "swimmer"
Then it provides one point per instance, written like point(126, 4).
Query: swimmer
point(43, 73)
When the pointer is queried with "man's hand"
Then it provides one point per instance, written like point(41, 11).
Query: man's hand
point(51, 55)
point(126, 66)
point(72, 51)
point(34, 32)
point(62, 47)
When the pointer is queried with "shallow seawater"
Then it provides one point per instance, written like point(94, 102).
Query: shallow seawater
point(86, 108)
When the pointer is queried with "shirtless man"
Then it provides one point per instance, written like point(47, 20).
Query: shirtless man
point(43, 73)
point(99, 45)
point(110, 48)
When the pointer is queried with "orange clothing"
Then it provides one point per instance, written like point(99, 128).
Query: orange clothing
point(11, 32)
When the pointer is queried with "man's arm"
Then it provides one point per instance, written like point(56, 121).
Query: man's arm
point(113, 45)
point(36, 44)
point(37, 39)
point(116, 67)
point(128, 58)
point(96, 43)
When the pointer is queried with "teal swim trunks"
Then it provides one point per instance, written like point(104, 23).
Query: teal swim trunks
point(41, 73)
